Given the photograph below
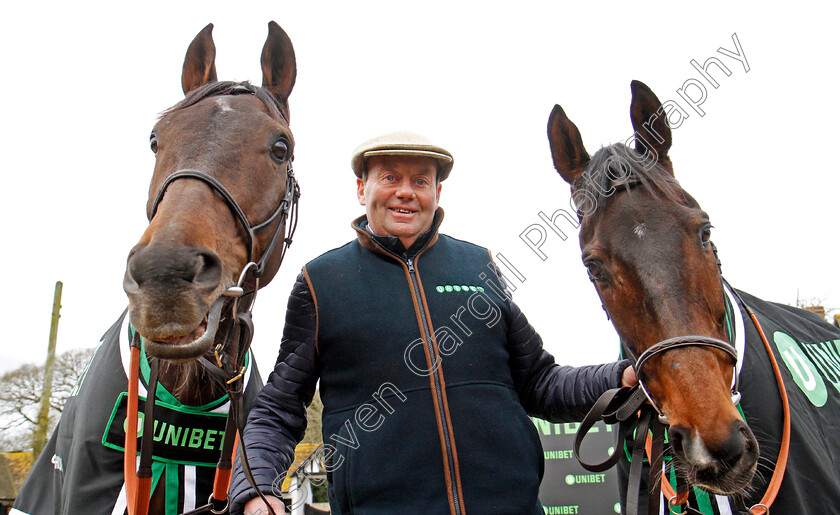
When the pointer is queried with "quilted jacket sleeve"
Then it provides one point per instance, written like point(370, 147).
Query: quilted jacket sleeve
point(546, 389)
point(277, 420)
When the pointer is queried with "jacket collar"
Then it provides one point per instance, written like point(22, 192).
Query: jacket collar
point(391, 244)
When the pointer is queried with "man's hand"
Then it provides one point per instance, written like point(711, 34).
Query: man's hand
point(256, 506)
point(628, 378)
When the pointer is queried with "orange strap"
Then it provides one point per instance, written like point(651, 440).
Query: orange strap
point(221, 483)
point(781, 462)
point(137, 490)
point(667, 490)
point(763, 506)
point(130, 454)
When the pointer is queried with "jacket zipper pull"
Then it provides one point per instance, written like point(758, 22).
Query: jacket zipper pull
point(410, 263)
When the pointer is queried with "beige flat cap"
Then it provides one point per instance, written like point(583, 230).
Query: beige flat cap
point(402, 144)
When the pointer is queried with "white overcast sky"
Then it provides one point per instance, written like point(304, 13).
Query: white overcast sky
point(85, 81)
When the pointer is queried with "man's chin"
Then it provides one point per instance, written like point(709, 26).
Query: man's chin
point(403, 230)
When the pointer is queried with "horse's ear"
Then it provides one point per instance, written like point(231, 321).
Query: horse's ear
point(278, 62)
point(570, 157)
point(200, 61)
point(650, 123)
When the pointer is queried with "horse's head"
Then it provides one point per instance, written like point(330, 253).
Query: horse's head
point(645, 243)
point(223, 156)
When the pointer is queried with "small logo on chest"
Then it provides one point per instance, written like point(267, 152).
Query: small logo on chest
point(449, 288)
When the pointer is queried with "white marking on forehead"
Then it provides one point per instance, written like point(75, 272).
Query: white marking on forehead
point(640, 230)
point(224, 105)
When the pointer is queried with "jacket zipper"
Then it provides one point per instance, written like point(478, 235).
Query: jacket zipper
point(438, 390)
point(447, 438)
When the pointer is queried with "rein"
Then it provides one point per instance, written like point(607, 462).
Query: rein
point(230, 374)
point(620, 405)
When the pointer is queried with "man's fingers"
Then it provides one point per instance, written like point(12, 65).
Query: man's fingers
point(256, 506)
point(628, 377)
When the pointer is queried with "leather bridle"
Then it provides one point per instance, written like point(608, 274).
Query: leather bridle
point(229, 373)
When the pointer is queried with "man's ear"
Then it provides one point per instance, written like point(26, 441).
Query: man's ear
point(360, 191)
point(437, 193)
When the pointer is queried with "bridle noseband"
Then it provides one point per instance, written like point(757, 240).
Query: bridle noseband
point(679, 342)
point(287, 204)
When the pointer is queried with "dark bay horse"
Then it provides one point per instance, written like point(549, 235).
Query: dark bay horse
point(646, 245)
point(220, 200)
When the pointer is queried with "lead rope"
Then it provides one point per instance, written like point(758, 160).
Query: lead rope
point(627, 407)
point(246, 335)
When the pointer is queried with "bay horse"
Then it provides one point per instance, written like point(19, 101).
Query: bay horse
point(221, 197)
point(701, 361)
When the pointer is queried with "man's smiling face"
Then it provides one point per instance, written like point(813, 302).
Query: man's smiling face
point(400, 195)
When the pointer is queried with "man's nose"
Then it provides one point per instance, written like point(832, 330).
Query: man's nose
point(405, 190)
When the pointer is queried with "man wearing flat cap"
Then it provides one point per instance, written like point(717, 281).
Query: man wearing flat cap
point(428, 370)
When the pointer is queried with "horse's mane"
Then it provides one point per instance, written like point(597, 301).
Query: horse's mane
point(276, 106)
point(618, 166)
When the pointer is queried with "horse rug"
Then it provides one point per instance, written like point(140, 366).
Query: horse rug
point(81, 468)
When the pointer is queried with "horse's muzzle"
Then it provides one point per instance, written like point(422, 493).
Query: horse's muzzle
point(174, 295)
point(724, 467)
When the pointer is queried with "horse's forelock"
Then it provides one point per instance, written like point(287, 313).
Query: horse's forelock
point(597, 180)
point(278, 107)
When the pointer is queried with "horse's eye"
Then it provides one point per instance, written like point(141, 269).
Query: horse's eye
point(280, 150)
point(596, 271)
point(705, 234)
point(153, 142)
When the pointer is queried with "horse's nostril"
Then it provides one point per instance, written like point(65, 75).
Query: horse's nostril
point(210, 270)
point(169, 265)
point(748, 438)
point(732, 450)
point(140, 267)
point(678, 436)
